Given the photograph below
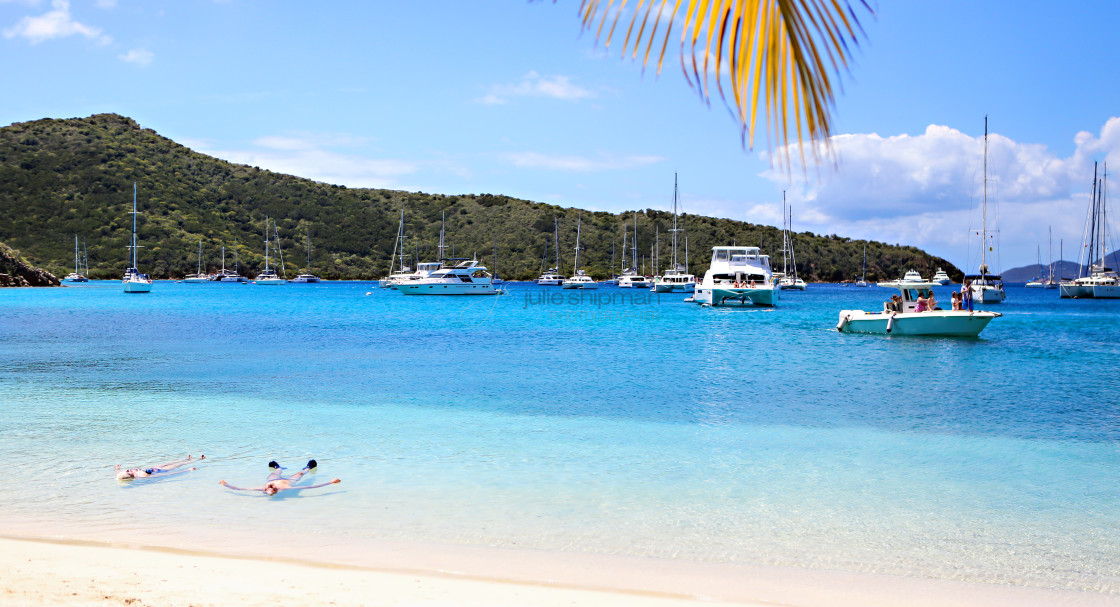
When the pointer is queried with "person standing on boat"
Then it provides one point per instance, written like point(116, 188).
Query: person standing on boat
point(966, 295)
point(277, 482)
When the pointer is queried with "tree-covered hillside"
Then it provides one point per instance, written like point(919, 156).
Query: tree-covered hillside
point(60, 178)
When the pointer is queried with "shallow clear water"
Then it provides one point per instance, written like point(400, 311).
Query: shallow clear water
point(625, 423)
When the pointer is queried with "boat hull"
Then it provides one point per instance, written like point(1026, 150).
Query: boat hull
point(1106, 291)
point(951, 323)
point(667, 288)
point(132, 286)
point(447, 289)
point(1075, 291)
point(271, 281)
point(987, 295)
point(730, 297)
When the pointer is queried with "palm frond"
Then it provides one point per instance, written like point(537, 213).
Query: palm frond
point(782, 53)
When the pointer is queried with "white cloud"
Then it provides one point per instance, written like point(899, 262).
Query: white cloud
point(55, 23)
point(926, 190)
point(312, 158)
point(535, 85)
point(139, 56)
point(602, 162)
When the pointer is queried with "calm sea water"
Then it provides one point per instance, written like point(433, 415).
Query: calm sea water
point(625, 423)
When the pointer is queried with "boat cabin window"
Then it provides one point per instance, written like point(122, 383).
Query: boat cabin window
point(721, 255)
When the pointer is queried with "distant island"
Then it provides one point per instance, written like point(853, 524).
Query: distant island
point(61, 178)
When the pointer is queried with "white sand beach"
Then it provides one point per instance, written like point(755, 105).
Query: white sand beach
point(52, 572)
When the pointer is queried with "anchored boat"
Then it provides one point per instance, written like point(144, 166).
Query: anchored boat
point(908, 321)
point(738, 276)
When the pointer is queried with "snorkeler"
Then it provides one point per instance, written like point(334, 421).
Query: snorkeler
point(277, 482)
point(161, 470)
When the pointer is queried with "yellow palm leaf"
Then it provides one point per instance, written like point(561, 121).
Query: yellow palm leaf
point(780, 52)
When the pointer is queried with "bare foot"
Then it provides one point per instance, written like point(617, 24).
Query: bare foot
point(337, 480)
point(221, 482)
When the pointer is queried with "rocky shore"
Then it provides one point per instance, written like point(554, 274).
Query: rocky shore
point(15, 272)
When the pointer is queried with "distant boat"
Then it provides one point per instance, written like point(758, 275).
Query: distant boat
point(908, 321)
point(737, 276)
point(225, 275)
point(676, 278)
point(1095, 279)
point(307, 276)
point(134, 281)
point(789, 278)
point(464, 278)
point(862, 282)
point(630, 278)
point(580, 280)
point(269, 276)
point(76, 275)
point(940, 278)
point(986, 287)
point(198, 276)
point(553, 277)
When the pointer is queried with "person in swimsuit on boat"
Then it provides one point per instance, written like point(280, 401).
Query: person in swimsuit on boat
point(154, 471)
point(277, 482)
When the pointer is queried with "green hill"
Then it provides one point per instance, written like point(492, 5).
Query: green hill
point(59, 178)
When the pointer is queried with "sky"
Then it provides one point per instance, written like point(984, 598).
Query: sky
point(511, 97)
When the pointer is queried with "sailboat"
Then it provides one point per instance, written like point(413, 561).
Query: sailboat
point(1095, 279)
point(1051, 282)
point(788, 280)
point(862, 282)
point(675, 279)
point(553, 277)
point(580, 280)
point(631, 277)
point(225, 275)
point(307, 276)
point(986, 287)
point(76, 275)
point(268, 276)
point(1037, 282)
point(198, 276)
point(134, 281)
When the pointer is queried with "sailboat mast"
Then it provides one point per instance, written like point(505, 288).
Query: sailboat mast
point(984, 212)
point(199, 257)
point(77, 264)
point(267, 240)
point(579, 223)
point(675, 230)
point(635, 243)
point(556, 240)
point(134, 257)
point(785, 238)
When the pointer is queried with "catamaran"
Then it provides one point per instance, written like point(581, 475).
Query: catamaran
point(1096, 280)
point(198, 276)
point(307, 276)
point(630, 277)
point(269, 276)
point(76, 275)
point(737, 276)
point(580, 280)
point(134, 281)
point(225, 275)
point(553, 277)
point(676, 278)
point(789, 258)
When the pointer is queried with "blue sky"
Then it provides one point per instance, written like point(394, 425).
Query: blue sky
point(509, 97)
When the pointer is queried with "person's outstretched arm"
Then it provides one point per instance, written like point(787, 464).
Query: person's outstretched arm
point(337, 480)
point(229, 486)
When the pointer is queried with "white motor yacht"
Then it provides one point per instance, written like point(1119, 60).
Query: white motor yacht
point(675, 280)
point(940, 278)
point(738, 276)
point(792, 282)
point(464, 278)
point(630, 279)
point(961, 323)
point(580, 281)
point(551, 278)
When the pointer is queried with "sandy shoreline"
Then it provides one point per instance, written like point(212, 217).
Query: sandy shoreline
point(36, 571)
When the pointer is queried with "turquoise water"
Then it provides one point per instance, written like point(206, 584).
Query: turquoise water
point(624, 424)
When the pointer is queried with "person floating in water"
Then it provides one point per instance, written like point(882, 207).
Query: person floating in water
point(161, 470)
point(277, 482)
